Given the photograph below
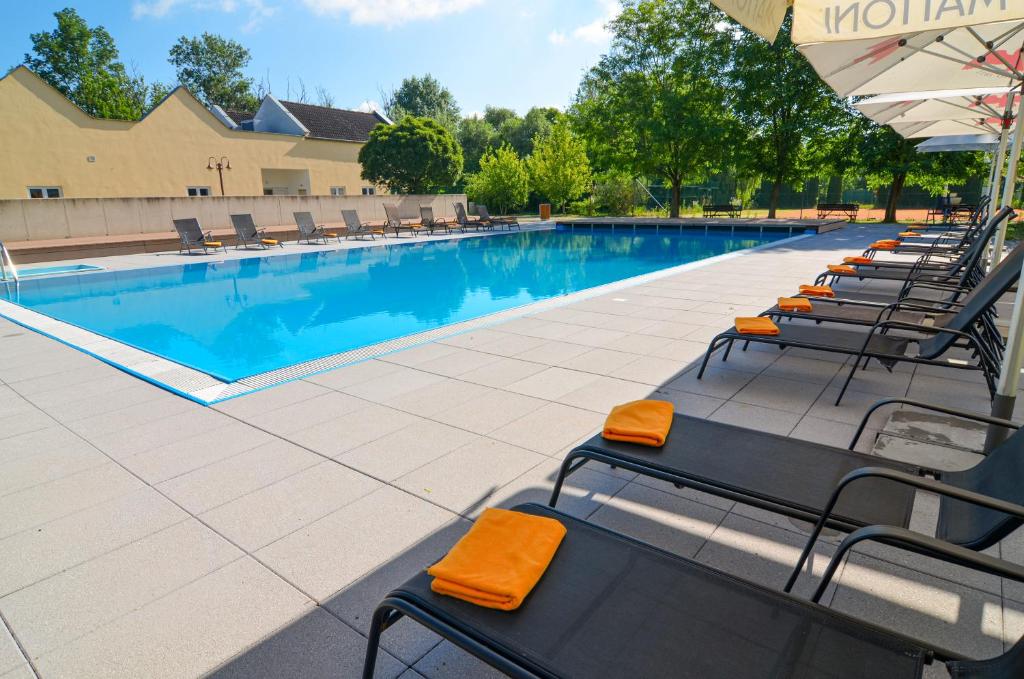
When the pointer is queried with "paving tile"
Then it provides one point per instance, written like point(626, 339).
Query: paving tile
point(392, 384)
point(31, 469)
point(550, 429)
point(779, 394)
point(641, 345)
point(604, 393)
point(802, 369)
point(508, 344)
point(92, 403)
point(15, 424)
point(467, 477)
point(21, 672)
point(349, 375)
point(447, 660)
point(502, 372)
point(54, 612)
point(265, 515)
point(490, 412)
point(399, 453)
point(459, 362)
point(132, 440)
point(191, 452)
point(664, 520)
point(230, 478)
point(316, 646)
point(414, 356)
point(177, 411)
point(474, 338)
point(325, 407)
point(649, 370)
point(756, 417)
point(684, 352)
point(852, 409)
point(449, 394)
point(54, 438)
point(48, 501)
point(827, 432)
point(551, 353)
point(242, 603)
point(599, 361)
point(10, 655)
point(355, 603)
point(252, 406)
point(353, 430)
point(875, 380)
point(332, 552)
point(952, 393)
point(583, 493)
point(716, 382)
point(552, 383)
point(33, 555)
point(686, 403)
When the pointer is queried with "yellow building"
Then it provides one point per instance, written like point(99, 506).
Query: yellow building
point(53, 149)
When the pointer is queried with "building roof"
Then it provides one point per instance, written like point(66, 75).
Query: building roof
point(238, 116)
point(332, 123)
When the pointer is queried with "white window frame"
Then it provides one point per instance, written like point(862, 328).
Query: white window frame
point(369, 190)
point(338, 191)
point(198, 191)
point(45, 191)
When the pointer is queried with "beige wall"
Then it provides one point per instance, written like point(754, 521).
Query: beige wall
point(24, 220)
point(45, 140)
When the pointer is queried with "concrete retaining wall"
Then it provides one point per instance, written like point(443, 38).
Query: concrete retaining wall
point(32, 220)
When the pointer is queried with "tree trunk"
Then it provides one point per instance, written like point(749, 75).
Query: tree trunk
point(773, 201)
point(898, 181)
point(676, 193)
point(835, 190)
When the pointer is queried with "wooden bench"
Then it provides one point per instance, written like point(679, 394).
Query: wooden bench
point(848, 210)
point(727, 210)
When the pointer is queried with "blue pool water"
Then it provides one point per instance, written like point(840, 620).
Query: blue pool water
point(54, 270)
point(240, 318)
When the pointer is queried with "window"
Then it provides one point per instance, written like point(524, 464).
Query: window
point(369, 191)
point(337, 190)
point(194, 191)
point(45, 192)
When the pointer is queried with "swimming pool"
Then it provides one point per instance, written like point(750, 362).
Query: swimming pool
point(238, 318)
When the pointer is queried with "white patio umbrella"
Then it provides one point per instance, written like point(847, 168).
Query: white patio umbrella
point(960, 142)
point(887, 46)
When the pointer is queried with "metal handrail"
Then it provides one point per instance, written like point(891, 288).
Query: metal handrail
point(7, 263)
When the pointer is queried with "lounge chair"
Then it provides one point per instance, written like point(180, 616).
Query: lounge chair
point(357, 229)
point(610, 606)
point(310, 232)
point(431, 223)
point(192, 235)
point(464, 222)
point(954, 330)
point(395, 223)
point(246, 232)
point(485, 216)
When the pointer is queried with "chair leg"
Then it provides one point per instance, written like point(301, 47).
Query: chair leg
point(728, 349)
point(849, 378)
point(707, 355)
point(382, 618)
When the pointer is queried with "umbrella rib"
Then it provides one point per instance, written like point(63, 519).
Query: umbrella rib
point(983, 67)
point(998, 55)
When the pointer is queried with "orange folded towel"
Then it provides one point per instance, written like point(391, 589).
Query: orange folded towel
point(910, 234)
point(891, 241)
point(213, 243)
point(858, 260)
point(643, 422)
point(841, 268)
point(269, 241)
point(795, 304)
point(500, 560)
point(756, 326)
point(884, 246)
point(817, 291)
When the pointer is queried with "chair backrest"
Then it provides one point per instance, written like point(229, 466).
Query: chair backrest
point(304, 220)
point(970, 261)
point(189, 229)
point(426, 215)
point(391, 213)
point(483, 212)
point(351, 218)
point(1009, 665)
point(245, 227)
point(460, 214)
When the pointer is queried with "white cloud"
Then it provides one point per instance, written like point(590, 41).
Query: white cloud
point(557, 38)
point(258, 10)
point(594, 32)
point(390, 12)
point(369, 106)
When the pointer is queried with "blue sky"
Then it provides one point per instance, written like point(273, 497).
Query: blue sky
point(517, 54)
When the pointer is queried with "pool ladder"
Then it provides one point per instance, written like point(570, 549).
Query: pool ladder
point(7, 265)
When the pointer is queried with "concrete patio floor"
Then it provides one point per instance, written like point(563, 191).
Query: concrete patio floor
point(144, 535)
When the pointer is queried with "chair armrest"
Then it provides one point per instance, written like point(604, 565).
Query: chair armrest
point(977, 417)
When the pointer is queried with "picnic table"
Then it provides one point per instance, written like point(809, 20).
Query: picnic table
point(724, 210)
point(848, 210)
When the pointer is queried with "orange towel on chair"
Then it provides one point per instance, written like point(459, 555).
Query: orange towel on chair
point(756, 326)
point(884, 246)
point(841, 268)
point(910, 234)
point(643, 422)
point(858, 260)
point(500, 560)
point(817, 291)
point(795, 304)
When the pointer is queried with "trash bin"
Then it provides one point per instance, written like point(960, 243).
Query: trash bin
point(545, 211)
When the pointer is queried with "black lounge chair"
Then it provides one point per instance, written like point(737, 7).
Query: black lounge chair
point(431, 223)
point(609, 606)
point(310, 231)
point(464, 222)
point(485, 216)
point(395, 223)
point(191, 235)
point(247, 232)
point(357, 229)
point(962, 329)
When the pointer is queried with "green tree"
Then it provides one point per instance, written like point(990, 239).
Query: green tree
point(477, 137)
point(210, 66)
point(615, 192)
point(655, 105)
point(887, 159)
point(784, 106)
point(519, 133)
point(559, 167)
point(502, 182)
point(423, 98)
point(82, 63)
point(497, 115)
point(415, 155)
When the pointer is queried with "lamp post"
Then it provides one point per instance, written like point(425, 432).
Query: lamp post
point(220, 166)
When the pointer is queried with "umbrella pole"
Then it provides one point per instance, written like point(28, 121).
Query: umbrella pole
point(1007, 198)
